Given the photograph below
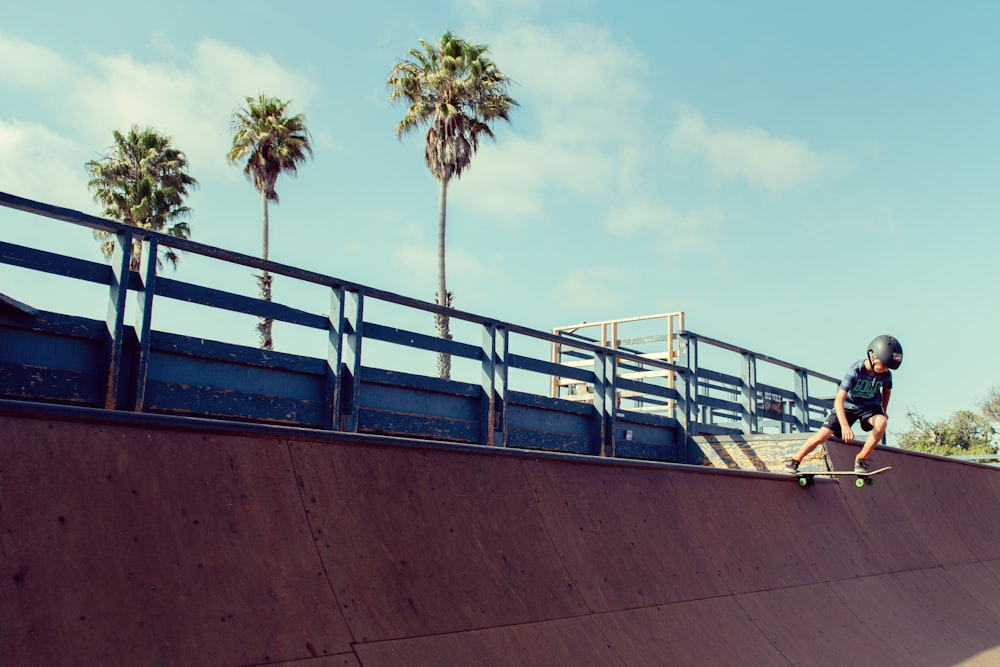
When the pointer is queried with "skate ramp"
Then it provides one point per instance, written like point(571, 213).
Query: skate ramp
point(136, 539)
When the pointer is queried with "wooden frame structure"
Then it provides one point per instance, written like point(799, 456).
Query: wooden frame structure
point(659, 339)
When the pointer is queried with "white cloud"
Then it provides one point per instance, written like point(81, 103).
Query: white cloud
point(595, 290)
point(33, 164)
point(584, 86)
point(583, 130)
point(191, 101)
point(579, 112)
point(640, 218)
point(775, 163)
point(417, 261)
point(510, 179)
point(489, 10)
point(659, 223)
point(30, 65)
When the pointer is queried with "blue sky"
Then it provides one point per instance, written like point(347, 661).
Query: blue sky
point(797, 177)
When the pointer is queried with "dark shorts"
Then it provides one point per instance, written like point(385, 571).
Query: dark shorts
point(862, 415)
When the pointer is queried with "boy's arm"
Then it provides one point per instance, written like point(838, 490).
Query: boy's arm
point(846, 434)
point(885, 399)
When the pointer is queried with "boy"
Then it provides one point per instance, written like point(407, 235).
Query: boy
point(863, 396)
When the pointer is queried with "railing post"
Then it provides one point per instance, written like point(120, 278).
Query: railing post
point(691, 409)
point(121, 260)
point(685, 423)
point(351, 378)
point(749, 393)
point(487, 383)
point(605, 399)
point(802, 400)
point(611, 403)
point(334, 358)
point(502, 386)
point(492, 414)
point(144, 317)
point(599, 427)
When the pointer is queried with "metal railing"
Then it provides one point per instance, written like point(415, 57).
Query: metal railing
point(362, 359)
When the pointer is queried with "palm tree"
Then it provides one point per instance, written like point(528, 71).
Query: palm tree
point(455, 88)
point(272, 144)
point(143, 182)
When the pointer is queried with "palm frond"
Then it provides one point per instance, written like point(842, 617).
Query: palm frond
point(454, 89)
point(270, 141)
point(141, 181)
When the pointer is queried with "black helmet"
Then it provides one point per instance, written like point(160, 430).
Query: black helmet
point(886, 349)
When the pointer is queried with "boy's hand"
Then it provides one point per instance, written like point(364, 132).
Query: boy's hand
point(846, 433)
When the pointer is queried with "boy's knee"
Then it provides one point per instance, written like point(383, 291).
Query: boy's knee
point(879, 423)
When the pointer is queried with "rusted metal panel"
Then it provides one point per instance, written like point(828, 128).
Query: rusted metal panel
point(213, 355)
point(981, 581)
point(716, 631)
point(952, 523)
point(125, 546)
point(546, 440)
point(13, 307)
point(623, 536)
point(812, 625)
point(578, 642)
point(342, 660)
point(404, 404)
point(762, 536)
point(702, 632)
point(38, 363)
point(648, 450)
point(30, 382)
point(421, 395)
point(190, 378)
point(226, 403)
point(419, 542)
point(647, 436)
point(913, 623)
point(539, 422)
point(135, 539)
point(388, 422)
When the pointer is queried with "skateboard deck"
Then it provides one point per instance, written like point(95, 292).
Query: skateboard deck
point(809, 478)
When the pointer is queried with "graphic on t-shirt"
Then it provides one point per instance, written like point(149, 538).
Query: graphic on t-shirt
point(865, 389)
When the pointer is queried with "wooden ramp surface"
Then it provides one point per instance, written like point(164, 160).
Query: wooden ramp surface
point(143, 540)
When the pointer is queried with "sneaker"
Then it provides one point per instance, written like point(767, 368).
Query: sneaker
point(861, 465)
point(791, 466)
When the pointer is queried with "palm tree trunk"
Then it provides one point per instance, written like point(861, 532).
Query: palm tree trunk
point(443, 295)
point(264, 283)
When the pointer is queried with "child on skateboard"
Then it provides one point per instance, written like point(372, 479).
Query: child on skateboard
point(863, 396)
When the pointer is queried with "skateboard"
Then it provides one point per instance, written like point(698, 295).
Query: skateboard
point(863, 478)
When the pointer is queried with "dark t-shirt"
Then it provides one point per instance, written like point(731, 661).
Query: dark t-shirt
point(863, 387)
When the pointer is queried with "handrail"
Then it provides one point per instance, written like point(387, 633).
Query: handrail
point(612, 374)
